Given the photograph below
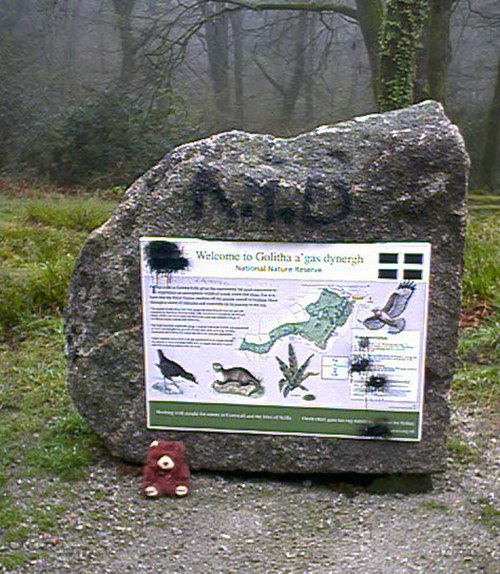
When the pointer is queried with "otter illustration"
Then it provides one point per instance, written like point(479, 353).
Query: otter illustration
point(236, 377)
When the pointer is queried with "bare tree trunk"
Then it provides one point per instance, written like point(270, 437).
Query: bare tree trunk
point(370, 16)
point(489, 161)
point(239, 102)
point(217, 38)
point(73, 33)
point(123, 10)
point(101, 27)
point(292, 90)
point(309, 78)
point(438, 48)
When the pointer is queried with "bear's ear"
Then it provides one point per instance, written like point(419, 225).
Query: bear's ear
point(165, 462)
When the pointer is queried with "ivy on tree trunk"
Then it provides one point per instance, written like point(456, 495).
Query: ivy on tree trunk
point(399, 39)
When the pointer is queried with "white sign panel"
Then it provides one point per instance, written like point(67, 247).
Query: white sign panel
point(285, 338)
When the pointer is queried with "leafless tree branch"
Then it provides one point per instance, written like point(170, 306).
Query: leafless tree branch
point(322, 7)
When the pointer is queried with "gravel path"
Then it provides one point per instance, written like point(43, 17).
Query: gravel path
point(268, 525)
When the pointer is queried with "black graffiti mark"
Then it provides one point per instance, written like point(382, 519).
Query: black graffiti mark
point(339, 189)
point(205, 182)
point(287, 214)
point(268, 192)
point(274, 159)
point(376, 429)
point(251, 187)
point(165, 257)
point(376, 382)
point(338, 154)
point(359, 365)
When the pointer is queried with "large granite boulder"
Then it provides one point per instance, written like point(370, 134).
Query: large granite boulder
point(400, 176)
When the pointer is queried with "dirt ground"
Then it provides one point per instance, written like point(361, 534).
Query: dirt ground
point(270, 524)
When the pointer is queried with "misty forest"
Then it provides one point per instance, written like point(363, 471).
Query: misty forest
point(94, 92)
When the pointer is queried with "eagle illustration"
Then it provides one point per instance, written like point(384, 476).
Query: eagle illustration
point(393, 308)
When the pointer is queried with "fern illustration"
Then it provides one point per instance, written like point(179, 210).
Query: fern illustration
point(293, 375)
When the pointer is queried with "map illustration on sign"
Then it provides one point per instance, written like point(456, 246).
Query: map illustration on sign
point(326, 314)
point(299, 339)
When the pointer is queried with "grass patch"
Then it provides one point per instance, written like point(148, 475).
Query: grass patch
point(12, 560)
point(476, 382)
point(14, 530)
point(38, 424)
point(485, 207)
point(490, 516)
point(475, 198)
point(9, 516)
point(481, 345)
point(40, 238)
point(17, 525)
point(40, 432)
point(484, 203)
point(461, 451)
point(63, 449)
point(435, 505)
point(476, 385)
point(33, 290)
point(74, 213)
point(482, 252)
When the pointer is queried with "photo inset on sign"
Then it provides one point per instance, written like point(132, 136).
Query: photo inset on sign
point(283, 338)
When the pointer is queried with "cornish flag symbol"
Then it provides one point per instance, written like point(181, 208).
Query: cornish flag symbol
point(401, 266)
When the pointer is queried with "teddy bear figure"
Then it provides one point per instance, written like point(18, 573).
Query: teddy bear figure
point(165, 472)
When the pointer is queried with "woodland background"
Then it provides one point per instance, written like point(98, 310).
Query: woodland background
point(94, 92)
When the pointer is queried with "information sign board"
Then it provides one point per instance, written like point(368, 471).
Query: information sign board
point(285, 338)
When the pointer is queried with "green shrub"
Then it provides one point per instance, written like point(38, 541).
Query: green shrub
point(110, 138)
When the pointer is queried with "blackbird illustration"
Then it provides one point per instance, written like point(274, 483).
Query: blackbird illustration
point(170, 370)
point(393, 308)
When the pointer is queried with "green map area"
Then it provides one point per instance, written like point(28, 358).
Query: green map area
point(328, 313)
